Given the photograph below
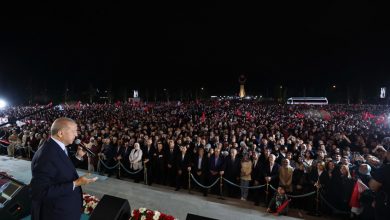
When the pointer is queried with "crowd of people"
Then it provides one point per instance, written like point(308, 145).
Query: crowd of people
point(291, 149)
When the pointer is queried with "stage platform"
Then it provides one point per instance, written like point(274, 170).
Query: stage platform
point(157, 197)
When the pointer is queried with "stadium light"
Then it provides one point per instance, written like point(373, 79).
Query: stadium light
point(3, 103)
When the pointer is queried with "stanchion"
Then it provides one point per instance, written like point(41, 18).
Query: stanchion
point(266, 194)
point(189, 182)
point(317, 202)
point(221, 187)
point(98, 164)
point(13, 150)
point(119, 170)
point(145, 174)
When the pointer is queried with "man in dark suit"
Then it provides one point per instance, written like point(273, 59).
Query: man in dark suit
point(159, 164)
point(147, 154)
point(216, 166)
point(232, 169)
point(257, 176)
point(118, 151)
point(171, 163)
point(271, 174)
point(125, 158)
point(55, 184)
point(200, 168)
point(183, 166)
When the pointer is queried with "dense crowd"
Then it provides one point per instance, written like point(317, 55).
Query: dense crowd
point(301, 148)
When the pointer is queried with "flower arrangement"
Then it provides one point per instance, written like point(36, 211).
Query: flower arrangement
point(89, 203)
point(147, 214)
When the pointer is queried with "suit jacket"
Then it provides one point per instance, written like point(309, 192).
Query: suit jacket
point(183, 164)
point(125, 156)
point(148, 154)
point(323, 178)
point(232, 168)
point(171, 158)
point(204, 166)
point(118, 151)
point(53, 173)
point(257, 173)
point(216, 166)
point(274, 173)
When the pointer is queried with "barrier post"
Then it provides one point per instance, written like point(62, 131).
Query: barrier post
point(189, 182)
point(221, 187)
point(98, 164)
point(145, 174)
point(119, 169)
point(317, 213)
point(266, 194)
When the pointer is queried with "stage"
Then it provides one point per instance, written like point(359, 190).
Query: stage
point(158, 197)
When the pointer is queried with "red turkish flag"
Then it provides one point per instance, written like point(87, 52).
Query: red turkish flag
point(203, 118)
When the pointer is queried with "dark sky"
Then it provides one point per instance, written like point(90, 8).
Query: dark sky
point(186, 45)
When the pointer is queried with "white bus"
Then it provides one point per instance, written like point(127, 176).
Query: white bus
point(307, 101)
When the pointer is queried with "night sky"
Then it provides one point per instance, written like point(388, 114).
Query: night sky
point(182, 46)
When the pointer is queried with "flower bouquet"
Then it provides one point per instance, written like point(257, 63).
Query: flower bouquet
point(147, 214)
point(89, 203)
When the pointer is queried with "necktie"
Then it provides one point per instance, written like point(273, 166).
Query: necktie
point(66, 152)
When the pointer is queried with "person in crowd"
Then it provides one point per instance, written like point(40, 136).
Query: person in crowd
point(147, 154)
point(171, 164)
point(135, 159)
point(271, 174)
point(380, 184)
point(346, 187)
point(285, 175)
point(232, 166)
point(183, 166)
point(125, 157)
point(300, 185)
point(364, 173)
point(200, 168)
point(55, 185)
point(159, 164)
point(216, 169)
point(246, 171)
point(273, 129)
point(279, 202)
point(257, 177)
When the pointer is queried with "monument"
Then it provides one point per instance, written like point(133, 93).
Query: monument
point(242, 80)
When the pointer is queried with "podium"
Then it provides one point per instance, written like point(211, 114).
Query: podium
point(15, 202)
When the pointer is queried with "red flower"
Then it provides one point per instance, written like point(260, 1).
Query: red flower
point(136, 214)
point(170, 218)
point(149, 215)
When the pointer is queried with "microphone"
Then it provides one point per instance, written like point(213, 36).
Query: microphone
point(78, 142)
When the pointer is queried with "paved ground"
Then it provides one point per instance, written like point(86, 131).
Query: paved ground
point(161, 198)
